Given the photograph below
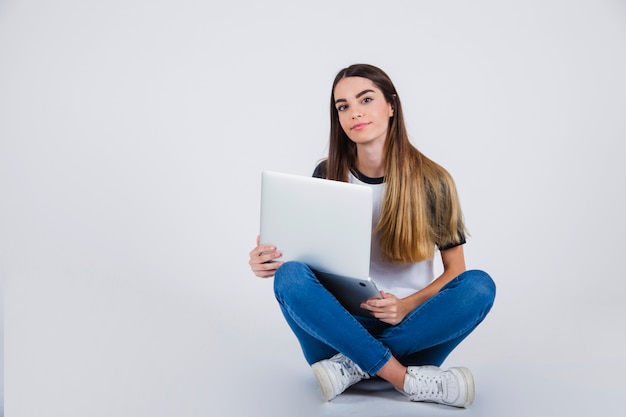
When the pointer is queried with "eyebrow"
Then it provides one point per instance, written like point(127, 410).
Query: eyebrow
point(343, 100)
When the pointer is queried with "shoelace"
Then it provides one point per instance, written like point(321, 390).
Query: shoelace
point(349, 370)
point(429, 387)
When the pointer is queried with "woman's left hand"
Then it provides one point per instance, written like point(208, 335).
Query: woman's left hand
point(390, 309)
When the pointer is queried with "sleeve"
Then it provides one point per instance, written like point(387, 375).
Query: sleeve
point(320, 170)
point(453, 245)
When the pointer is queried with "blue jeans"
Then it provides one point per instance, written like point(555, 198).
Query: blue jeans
point(426, 336)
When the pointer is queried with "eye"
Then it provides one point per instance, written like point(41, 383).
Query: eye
point(343, 107)
point(367, 100)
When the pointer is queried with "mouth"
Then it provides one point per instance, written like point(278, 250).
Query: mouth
point(359, 126)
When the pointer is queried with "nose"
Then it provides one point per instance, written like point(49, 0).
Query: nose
point(356, 114)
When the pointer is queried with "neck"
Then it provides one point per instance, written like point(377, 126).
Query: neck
point(370, 162)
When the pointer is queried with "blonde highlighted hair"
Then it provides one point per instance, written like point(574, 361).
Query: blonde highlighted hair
point(421, 209)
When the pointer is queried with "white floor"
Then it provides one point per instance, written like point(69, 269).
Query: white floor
point(110, 348)
point(526, 360)
point(512, 389)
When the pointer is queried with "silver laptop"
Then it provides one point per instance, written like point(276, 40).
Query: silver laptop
point(326, 225)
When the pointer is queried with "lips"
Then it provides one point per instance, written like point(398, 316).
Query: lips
point(359, 126)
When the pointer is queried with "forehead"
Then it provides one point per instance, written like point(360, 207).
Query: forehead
point(349, 87)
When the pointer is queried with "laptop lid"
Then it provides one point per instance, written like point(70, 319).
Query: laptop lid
point(325, 224)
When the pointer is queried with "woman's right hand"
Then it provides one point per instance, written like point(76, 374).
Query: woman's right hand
point(263, 260)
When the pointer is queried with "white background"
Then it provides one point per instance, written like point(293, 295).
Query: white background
point(132, 137)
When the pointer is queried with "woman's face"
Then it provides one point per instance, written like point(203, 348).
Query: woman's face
point(363, 111)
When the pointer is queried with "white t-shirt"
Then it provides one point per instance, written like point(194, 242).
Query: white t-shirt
point(399, 279)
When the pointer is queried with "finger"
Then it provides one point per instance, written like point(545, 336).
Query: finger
point(258, 240)
point(270, 266)
point(265, 262)
point(379, 303)
point(269, 258)
point(265, 266)
point(373, 309)
point(269, 271)
point(382, 316)
point(262, 250)
point(256, 251)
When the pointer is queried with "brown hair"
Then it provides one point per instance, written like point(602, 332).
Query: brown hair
point(421, 208)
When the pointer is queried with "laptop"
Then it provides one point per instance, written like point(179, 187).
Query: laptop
point(326, 225)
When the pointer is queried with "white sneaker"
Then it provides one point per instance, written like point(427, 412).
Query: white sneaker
point(336, 374)
point(454, 386)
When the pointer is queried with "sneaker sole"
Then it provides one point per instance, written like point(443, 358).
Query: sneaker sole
point(325, 381)
point(468, 378)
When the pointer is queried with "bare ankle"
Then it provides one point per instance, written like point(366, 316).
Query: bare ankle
point(394, 372)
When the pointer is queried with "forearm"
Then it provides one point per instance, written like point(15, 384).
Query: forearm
point(453, 265)
point(421, 296)
point(393, 310)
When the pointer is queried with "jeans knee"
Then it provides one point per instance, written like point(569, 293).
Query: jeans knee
point(289, 276)
point(484, 286)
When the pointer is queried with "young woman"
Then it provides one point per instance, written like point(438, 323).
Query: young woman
point(419, 320)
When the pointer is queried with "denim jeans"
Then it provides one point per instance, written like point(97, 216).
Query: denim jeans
point(426, 336)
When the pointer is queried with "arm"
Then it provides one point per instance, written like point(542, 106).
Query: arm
point(392, 310)
point(453, 260)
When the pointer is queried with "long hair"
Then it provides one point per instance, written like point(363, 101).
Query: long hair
point(421, 208)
